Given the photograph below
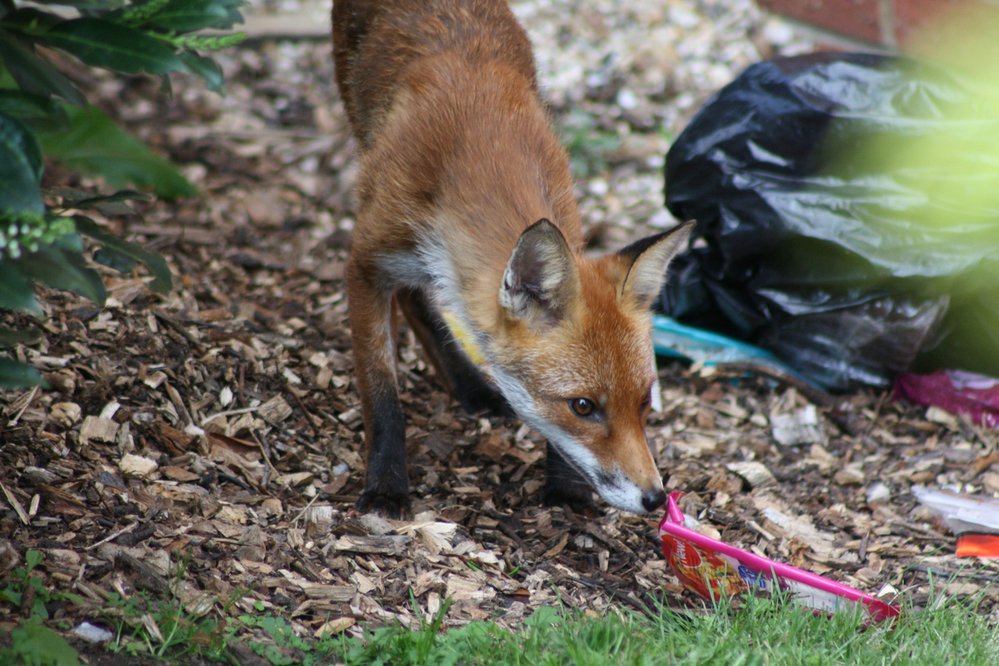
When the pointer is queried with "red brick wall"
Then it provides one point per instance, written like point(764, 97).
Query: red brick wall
point(885, 22)
point(859, 19)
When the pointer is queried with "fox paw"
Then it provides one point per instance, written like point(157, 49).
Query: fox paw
point(385, 504)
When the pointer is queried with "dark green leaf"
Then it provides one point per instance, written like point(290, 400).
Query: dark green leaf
point(120, 196)
point(191, 15)
point(106, 256)
point(111, 204)
point(20, 169)
point(63, 269)
point(84, 5)
point(15, 336)
point(206, 68)
point(33, 110)
point(117, 47)
point(14, 374)
point(111, 258)
point(15, 290)
point(33, 73)
point(94, 144)
point(123, 251)
point(21, 139)
point(31, 21)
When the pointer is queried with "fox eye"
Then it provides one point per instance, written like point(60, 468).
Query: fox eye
point(582, 406)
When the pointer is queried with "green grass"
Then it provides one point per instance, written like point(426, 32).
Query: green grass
point(755, 631)
point(164, 629)
point(761, 632)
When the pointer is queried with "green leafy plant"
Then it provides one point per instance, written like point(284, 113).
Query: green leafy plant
point(32, 642)
point(282, 646)
point(397, 645)
point(278, 643)
point(22, 582)
point(44, 114)
point(588, 144)
point(163, 627)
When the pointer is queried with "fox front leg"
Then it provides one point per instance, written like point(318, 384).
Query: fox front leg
point(386, 485)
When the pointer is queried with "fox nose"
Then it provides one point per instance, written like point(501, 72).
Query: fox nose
point(653, 499)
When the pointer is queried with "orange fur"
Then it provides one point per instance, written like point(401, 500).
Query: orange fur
point(458, 163)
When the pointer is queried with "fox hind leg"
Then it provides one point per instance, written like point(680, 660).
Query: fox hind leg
point(564, 485)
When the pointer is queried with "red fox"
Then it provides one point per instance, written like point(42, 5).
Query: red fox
point(467, 222)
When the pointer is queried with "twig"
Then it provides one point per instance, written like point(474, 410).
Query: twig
point(878, 406)
point(304, 509)
point(313, 421)
point(814, 394)
point(16, 505)
point(229, 412)
point(179, 329)
point(27, 403)
point(265, 452)
point(239, 384)
point(112, 537)
point(616, 593)
point(178, 402)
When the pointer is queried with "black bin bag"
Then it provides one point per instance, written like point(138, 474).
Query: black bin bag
point(850, 266)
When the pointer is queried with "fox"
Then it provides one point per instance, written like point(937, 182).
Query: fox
point(466, 222)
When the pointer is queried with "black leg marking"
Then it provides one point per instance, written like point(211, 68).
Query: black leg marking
point(386, 486)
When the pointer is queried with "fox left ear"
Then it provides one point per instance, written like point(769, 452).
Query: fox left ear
point(540, 278)
point(646, 262)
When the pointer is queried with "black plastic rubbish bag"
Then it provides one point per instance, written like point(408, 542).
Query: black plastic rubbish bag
point(818, 249)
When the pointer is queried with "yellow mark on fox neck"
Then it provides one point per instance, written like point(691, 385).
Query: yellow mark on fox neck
point(465, 339)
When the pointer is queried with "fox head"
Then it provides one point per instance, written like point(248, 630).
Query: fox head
point(574, 356)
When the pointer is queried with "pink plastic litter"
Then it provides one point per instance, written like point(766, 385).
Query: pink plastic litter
point(956, 391)
point(712, 568)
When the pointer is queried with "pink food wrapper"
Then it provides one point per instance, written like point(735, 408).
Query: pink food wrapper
point(956, 391)
point(712, 568)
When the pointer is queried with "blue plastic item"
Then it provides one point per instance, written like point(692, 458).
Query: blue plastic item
point(671, 338)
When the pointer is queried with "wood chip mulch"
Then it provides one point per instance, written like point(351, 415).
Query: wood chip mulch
point(217, 428)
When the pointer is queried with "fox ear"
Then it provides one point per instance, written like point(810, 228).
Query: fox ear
point(540, 279)
point(645, 262)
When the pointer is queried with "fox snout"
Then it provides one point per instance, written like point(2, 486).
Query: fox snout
point(626, 495)
point(640, 491)
point(653, 499)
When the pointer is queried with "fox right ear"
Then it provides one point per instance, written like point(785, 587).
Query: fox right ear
point(540, 279)
point(647, 260)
